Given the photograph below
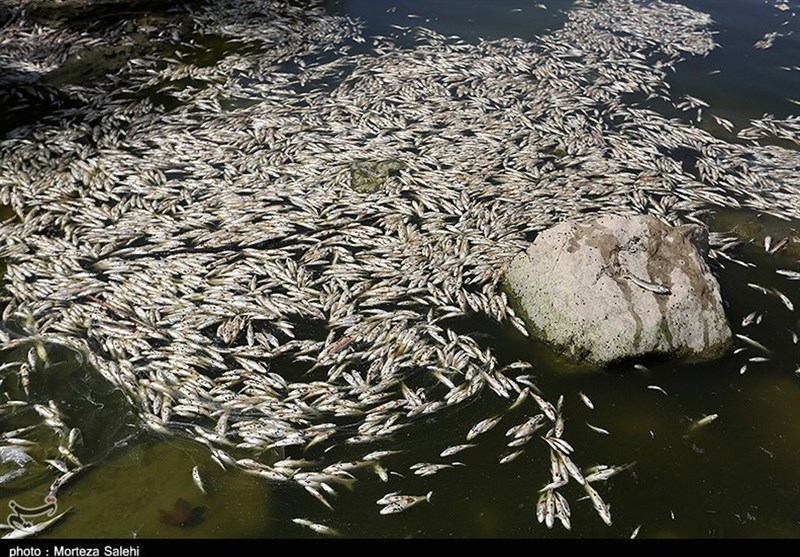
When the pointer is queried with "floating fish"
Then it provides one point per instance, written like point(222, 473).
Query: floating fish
point(705, 420)
point(317, 527)
point(603, 472)
point(749, 318)
point(483, 426)
point(395, 503)
point(198, 481)
point(792, 275)
point(656, 388)
point(546, 407)
point(589, 404)
point(450, 451)
point(510, 457)
point(600, 506)
point(597, 429)
point(754, 343)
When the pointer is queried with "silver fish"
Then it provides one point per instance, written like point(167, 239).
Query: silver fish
point(558, 445)
point(705, 420)
point(656, 388)
point(597, 429)
point(573, 470)
point(651, 286)
point(546, 407)
point(600, 506)
point(603, 472)
point(562, 510)
point(198, 481)
point(784, 299)
point(792, 275)
point(317, 527)
point(510, 457)
point(450, 451)
point(749, 318)
point(754, 343)
point(589, 404)
point(483, 426)
point(399, 503)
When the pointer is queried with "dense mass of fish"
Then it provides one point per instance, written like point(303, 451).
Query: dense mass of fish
point(190, 227)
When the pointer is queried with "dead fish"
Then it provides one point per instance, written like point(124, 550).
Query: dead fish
point(635, 532)
point(597, 429)
point(767, 243)
point(792, 275)
point(640, 367)
point(559, 445)
point(573, 470)
point(758, 359)
point(483, 426)
point(317, 527)
point(754, 343)
point(758, 287)
point(527, 428)
point(705, 420)
point(382, 472)
point(600, 506)
point(558, 427)
point(603, 472)
point(450, 451)
point(562, 510)
point(546, 407)
point(377, 455)
point(778, 246)
point(589, 404)
point(743, 369)
point(522, 397)
point(510, 457)
point(399, 503)
point(545, 508)
point(749, 319)
point(784, 299)
point(651, 286)
point(428, 469)
point(318, 496)
point(657, 388)
point(198, 481)
point(182, 514)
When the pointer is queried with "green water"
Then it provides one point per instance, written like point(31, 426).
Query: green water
point(735, 477)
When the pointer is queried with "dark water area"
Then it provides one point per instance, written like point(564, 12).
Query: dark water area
point(735, 477)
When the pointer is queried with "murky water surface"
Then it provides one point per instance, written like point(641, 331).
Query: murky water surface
point(735, 477)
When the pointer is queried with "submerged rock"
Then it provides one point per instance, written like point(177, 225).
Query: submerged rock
point(620, 288)
point(370, 176)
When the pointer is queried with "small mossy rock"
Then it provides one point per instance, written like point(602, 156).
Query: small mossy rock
point(370, 176)
point(620, 288)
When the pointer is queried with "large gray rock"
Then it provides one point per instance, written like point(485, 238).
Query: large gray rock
point(619, 288)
